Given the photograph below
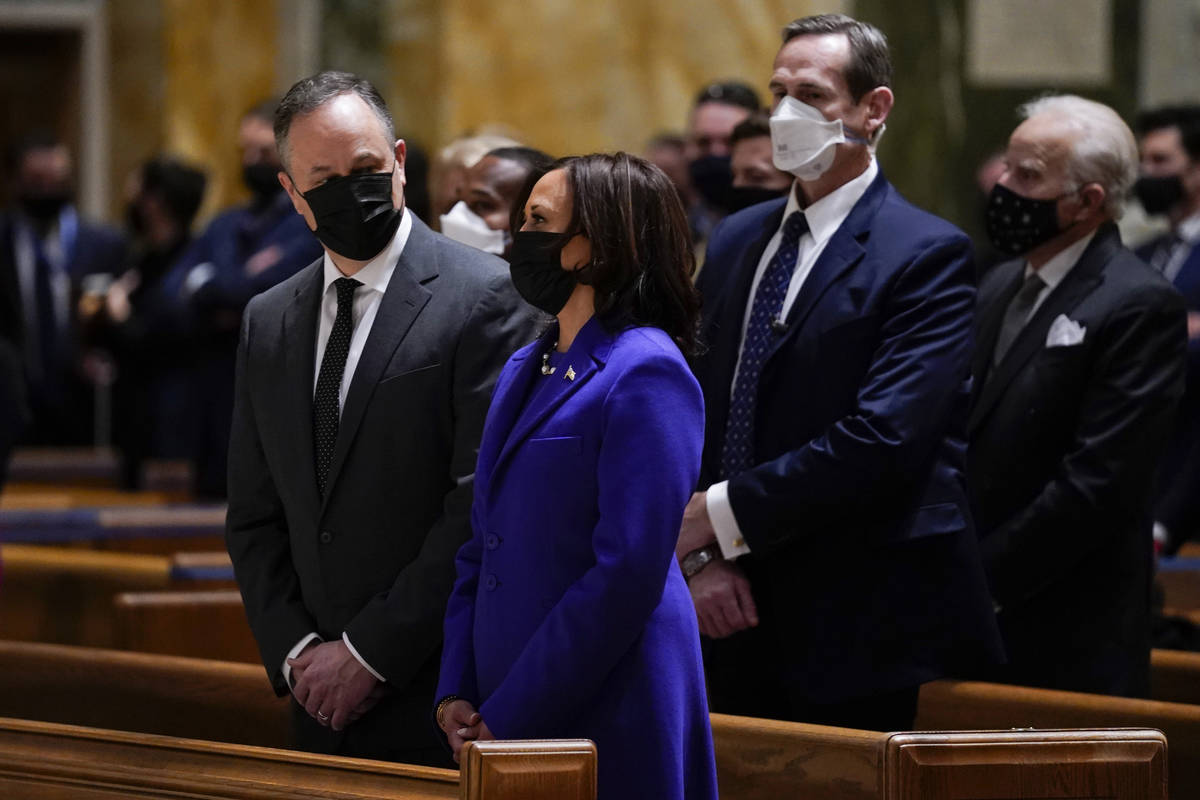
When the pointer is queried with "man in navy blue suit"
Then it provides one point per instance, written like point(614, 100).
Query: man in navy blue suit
point(1169, 140)
point(47, 251)
point(831, 552)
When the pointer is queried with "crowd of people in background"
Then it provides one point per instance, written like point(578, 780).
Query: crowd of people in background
point(858, 357)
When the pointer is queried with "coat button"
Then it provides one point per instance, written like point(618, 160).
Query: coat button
point(492, 541)
point(491, 583)
point(326, 537)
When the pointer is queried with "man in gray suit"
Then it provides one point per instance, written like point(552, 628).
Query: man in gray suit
point(362, 386)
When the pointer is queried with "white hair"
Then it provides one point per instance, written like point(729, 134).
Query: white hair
point(1104, 152)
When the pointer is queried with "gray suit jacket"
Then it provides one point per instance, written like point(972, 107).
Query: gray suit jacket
point(375, 557)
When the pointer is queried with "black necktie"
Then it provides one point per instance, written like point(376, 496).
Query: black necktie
point(326, 405)
point(1017, 315)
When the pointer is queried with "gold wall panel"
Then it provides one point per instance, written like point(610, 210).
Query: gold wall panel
point(220, 61)
point(575, 77)
point(138, 89)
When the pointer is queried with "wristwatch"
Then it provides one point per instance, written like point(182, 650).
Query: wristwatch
point(697, 560)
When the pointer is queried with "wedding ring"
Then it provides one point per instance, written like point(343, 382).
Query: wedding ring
point(322, 717)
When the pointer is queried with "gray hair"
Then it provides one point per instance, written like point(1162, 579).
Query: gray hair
point(309, 94)
point(1104, 152)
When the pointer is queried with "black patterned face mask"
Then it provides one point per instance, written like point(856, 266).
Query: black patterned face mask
point(1016, 224)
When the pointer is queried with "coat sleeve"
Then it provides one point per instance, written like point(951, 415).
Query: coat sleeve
point(256, 534)
point(652, 427)
point(900, 416)
point(1126, 412)
point(399, 630)
point(457, 676)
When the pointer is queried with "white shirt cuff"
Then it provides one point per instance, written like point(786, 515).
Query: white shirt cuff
point(362, 660)
point(720, 513)
point(1161, 534)
point(295, 651)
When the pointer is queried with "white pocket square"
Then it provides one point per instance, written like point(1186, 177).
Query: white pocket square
point(1065, 332)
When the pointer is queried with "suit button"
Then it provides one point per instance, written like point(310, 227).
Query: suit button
point(491, 583)
point(492, 541)
point(326, 537)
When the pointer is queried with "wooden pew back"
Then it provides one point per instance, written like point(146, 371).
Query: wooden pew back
point(192, 698)
point(204, 624)
point(963, 705)
point(45, 761)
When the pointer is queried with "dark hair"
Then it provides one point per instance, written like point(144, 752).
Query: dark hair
point(730, 93)
point(1184, 118)
point(753, 126)
point(530, 158)
point(642, 260)
point(179, 185)
point(869, 66)
point(309, 94)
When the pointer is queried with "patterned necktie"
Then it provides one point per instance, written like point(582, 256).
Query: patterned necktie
point(1017, 315)
point(326, 403)
point(760, 335)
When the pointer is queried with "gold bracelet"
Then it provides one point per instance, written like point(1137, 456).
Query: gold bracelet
point(447, 700)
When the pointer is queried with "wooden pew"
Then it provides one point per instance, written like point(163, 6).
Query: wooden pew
point(146, 530)
point(65, 595)
point(204, 624)
point(45, 761)
point(755, 758)
point(1180, 579)
point(962, 705)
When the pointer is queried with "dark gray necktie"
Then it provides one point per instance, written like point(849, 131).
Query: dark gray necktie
point(326, 403)
point(1017, 315)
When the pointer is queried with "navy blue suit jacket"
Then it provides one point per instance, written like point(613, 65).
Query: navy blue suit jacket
point(1177, 505)
point(856, 513)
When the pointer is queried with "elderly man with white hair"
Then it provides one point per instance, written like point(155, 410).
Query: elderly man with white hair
point(1079, 366)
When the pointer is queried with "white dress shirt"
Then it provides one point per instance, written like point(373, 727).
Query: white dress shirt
point(374, 278)
point(824, 217)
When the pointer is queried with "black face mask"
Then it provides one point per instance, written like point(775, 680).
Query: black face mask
point(262, 180)
point(713, 179)
point(535, 264)
point(1158, 195)
point(354, 213)
point(1017, 224)
point(44, 208)
point(745, 196)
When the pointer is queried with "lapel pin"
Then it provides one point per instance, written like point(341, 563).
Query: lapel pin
point(570, 373)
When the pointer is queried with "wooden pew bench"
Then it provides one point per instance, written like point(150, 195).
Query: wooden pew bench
point(65, 594)
point(755, 758)
point(146, 530)
point(966, 705)
point(203, 624)
point(47, 761)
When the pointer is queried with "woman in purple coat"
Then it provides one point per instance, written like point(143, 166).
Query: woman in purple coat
point(570, 617)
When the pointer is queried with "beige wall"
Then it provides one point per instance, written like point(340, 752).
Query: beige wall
point(574, 77)
point(220, 59)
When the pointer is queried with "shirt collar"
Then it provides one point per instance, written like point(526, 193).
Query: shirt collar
point(378, 271)
point(1189, 229)
point(1054, 270)
point(826, 215)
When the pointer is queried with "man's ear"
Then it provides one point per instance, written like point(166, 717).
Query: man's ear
point(1092, 196)
point(879, 103)
point(286, 182)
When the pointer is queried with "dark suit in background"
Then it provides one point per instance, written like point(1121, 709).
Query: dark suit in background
point(375, 558)
point(864, 564)
point(60, 399)
point(1064, 445)
point(1177, 506)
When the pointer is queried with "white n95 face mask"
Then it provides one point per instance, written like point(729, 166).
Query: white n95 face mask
point(465, 226)
point(803, 142)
